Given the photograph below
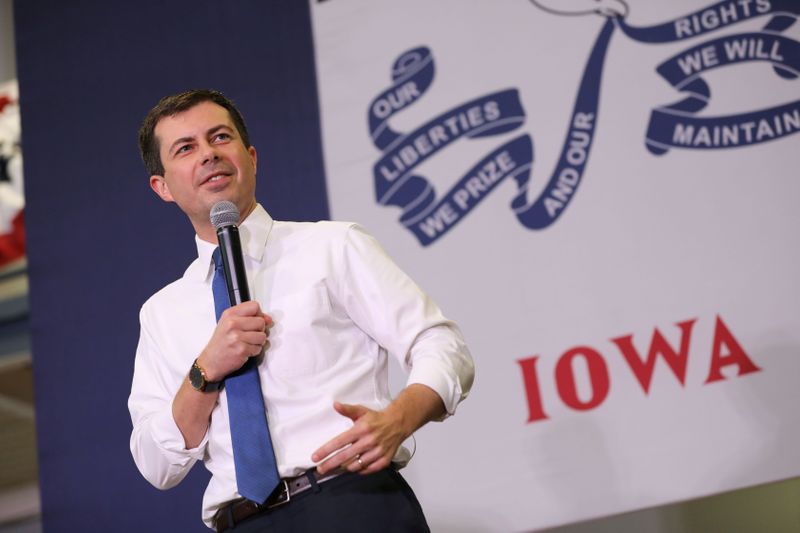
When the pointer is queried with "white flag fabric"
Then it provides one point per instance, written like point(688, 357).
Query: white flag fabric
point(604, 196)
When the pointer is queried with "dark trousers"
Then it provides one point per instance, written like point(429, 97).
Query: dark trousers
point(351, 503)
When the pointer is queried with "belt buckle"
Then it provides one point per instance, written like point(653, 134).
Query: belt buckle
point(283, 496)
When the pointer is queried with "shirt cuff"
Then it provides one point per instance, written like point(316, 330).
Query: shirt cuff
point(436, 375)
point(168, 437)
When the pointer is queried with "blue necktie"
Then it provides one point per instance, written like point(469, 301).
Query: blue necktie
point(253, 457)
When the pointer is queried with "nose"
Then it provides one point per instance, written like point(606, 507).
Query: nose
point(210, 154)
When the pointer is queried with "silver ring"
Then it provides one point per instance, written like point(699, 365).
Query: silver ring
point(358, 460)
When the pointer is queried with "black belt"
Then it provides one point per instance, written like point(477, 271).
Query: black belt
point(230, 515)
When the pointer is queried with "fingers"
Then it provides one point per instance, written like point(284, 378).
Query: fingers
point(369, 455)
point(250, 308)
point(336, 443)
point(250, 313)
point(355, 464)
point(347, 438)
point(353, 412)
point(244, 322)
point(367, 461)
point(367, 447)
point(242, 332)
point(370, 462)
point(346, 459)
point(256, 339)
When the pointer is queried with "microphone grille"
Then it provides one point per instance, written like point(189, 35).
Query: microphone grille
point(223, 214)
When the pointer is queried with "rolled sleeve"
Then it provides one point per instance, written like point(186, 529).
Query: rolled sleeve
point(394, 311)
point(168, 438)
point(157, 445)
point(440, 359)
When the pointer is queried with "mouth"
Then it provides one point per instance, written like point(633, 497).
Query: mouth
point(214, 178)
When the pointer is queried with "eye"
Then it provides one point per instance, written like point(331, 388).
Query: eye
point(182, 149)
point(222, 137)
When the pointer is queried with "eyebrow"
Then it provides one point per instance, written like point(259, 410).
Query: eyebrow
point(190, 138)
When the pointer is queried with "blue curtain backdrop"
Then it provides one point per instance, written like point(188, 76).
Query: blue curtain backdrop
point(100, 242)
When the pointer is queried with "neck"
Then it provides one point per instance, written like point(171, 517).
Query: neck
point(208, 234)
point(247, 211)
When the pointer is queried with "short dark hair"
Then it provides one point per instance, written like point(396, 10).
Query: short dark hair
point(172, 105)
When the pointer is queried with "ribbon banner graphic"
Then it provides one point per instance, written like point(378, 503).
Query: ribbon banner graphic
point(429, 217)
point(676, 126)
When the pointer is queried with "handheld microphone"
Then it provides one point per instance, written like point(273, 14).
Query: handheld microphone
point(224, 217)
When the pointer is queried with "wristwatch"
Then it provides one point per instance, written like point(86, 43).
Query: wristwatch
point(197, 377)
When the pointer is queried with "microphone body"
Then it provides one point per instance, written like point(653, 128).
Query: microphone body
point(224, 216)
point(230, 247)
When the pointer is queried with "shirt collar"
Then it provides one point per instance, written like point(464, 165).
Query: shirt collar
point(253, 232)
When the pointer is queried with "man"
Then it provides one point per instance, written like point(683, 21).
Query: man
point(328, 305)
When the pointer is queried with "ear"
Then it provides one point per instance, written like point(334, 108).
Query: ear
point(253, 155)
point(159, 186)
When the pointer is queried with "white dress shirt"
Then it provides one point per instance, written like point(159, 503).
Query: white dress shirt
point(339, 305)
